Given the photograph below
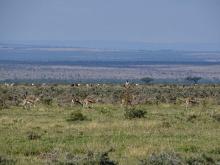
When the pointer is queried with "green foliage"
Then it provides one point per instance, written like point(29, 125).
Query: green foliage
point(132, 113)
point(76, 116)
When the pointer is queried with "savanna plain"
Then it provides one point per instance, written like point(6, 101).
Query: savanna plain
point(109, 124)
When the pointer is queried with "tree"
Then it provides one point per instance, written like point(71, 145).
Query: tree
point(193, 79)
point(147, 80)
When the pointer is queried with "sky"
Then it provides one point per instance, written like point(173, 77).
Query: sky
point(152, 21)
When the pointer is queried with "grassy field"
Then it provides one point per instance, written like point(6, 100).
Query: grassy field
point(52, 134)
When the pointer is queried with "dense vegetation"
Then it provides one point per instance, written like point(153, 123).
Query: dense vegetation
point(138, 124)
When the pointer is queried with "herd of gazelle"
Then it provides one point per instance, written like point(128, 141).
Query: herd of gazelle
point(31, 100)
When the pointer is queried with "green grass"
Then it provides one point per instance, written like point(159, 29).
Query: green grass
point(165, 128)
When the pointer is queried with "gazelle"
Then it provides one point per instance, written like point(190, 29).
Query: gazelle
point(76, 100)
point(190, 101)
point(88, 101)
point(30, 101)
point(75, 85)
point(85, 102)
point(126, 85)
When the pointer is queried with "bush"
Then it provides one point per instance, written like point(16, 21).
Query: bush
point(134, 113)
point(204, 159)
point(47, 101)
point(91, 158)
point(103, 159)
point(33, 135)
point(192, 118)
point(76, 116)
point(163, 159)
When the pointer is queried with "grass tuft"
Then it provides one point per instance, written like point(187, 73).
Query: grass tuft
point(133, 113)
point(76, 116)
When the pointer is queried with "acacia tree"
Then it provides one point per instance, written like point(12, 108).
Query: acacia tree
point(147, 80)
point(193, 79)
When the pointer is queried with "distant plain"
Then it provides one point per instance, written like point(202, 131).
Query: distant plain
point(58, 64)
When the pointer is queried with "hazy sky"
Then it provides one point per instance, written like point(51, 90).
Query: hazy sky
point(164, 21)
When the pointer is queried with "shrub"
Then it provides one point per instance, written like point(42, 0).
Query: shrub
point(76, 116)
point(47, 101)
point(200, 160)
point(166, 124)
point(103, 159)
point(192, 118)
point(33, 135)
point(91, 158)
point(163, 159)
point(134, 113)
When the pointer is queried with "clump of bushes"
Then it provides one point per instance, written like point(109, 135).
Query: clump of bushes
point(163, 159)
point(33, 135)
point(170, 158)
point(103, 159)
point(204, 159)
point(90, 158)
point(133, 113)
point(47, 101)
point(76, 116)
point(166, 124)
point(192, 118)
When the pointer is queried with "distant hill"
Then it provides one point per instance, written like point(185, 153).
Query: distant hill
point(117, 45)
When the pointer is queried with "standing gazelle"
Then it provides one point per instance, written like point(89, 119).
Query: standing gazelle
point(88, 101)
point(30, 101)
point(190, 101)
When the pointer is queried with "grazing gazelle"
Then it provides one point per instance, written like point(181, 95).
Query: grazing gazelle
point(85, 102)
point(88, 101)
point(30, 101)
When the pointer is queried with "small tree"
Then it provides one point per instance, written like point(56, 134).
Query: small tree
point(193, 79)
point(147, 80)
